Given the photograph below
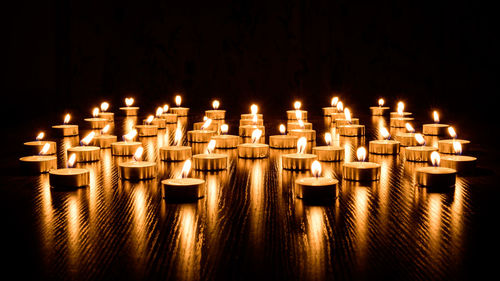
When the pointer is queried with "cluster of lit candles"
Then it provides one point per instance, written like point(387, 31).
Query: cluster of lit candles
point(250, 144)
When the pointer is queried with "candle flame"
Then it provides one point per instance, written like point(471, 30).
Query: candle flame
point(256, 134)
point(401, 108)
point(211, 146)
point(457, 147)
point(186, 168)
point(88, 138)
point(215, 104)
point(150, 119)
point(178, 100)
point(40, 136)
point(130, 135)
point(224, 128)
point(334, 102)
point(435, 158)
point(105, 129)
point(385, 133)
point(178, 136)
point(159, 111)
point(409, 128)
point(301, 124)
point(347, 114)
point(205, 118)
point(206, 124)
point(381, 102)
point(301, 145)
point(435, 116)
point(316, 168)
point(298, 114)
point(328, 139)
point(297, 105)
point(138, 154)
point(254, 109)
point(71, 160)
point(104, 106)
point(129, 101)
point(340, 106)
point(452, 132)
point(95, 112)
point(165, 108)
point(45, 149)
point(420, 139)
point(361, 154)
point(67, 118)
point(282, 129)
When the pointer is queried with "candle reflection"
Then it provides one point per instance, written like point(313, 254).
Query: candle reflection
point(62, 146)
point(47, 217)
point(361, 221)
point(378, 123)
point(316, 242)
point(189, 244)
point(129, 123)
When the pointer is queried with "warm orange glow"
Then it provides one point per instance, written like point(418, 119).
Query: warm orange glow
point(150, 119)
point(88, 138)
point(420, 139)
point(316, 168)
point(347, 114)
point(104, 106)
point(361, 154)
point(211, 146)
point(95, 112)
point(297, 105)
point(385, 133)
point(301, 145)
point(328, 139)
point(340, 106)
point(409, 128)
point(45, 148)
point(178, 136)
point(215, 104)
point(205, 118)
point(159, 111)
point(457, 147)
point(254, 109)
point(282, 129)
point(178, 100)
point(254, 119)
point(452, 132)
point(401, 108)
point(435, 115)
point(138, 154)
point(298, 114)
point(206, 124)
point(165, 108)
point(105, 129)
point(40, 136)
point(256, 134)
point(301, 124)
point(129, 101)
point(435, 158)
point(334, 102)
point(381, 102)
point(186, 168)
point(71, 160)
point(224, 128)
point(130, 135)
point(67, 118)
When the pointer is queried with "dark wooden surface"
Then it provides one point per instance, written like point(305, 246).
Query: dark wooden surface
point(249, 225)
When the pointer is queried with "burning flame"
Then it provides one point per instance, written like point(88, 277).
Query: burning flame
point(215, 104)
point(178, 136)
point(334, 102)
point(130, 136)
point(88, 138)
point(420, 139)
point(385, 133)
point(361, 154)
point(436, 116)
point(457, 147)
point(40, 136)
point(150, 119)
point(138, 154)
point(435, 158)
point(71, 160)
point(316, 168)
point(186, 168)
point(67, 118)
point(104, 106)
point(298, 114)
point(381, 102)
point(297, 105)
point(129, 101)
point(45, 148)
point(254, 109)
point(205, 118)
point(340, 106)
point(95, 112)
point(301, 145)
point(206, 124)
point(224, 128)
point(211, 146)
point(401, 108)
point(282, 129)
point(105, 129)
point(328, 139)
point(409, 128)
point(452, 132)
point(178, 100)
point(165, 108)
point(159, 111)
point(256, 134)
point(301, 124)
point(254, 119)
point(347, 114)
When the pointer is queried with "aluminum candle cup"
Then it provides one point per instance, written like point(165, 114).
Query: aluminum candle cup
point(249, 140)
point(247, 130)
point(185, 189)
point(159, 122)
point(37, 164)
point(214, 126)
point(283, 141)
point(344, 122)
point(250, 116)
point(124, 148)
point(446, 146)
point(361, 171)
point(210, 162)
point(316, 188)
point(244, 122)
point(200, 135)
point(296, 126)
point(110, 116)
point(175, 153)
point(396, 114)
point(34, 147)
point(104, 141)
point(327, 111)
point(337, 115)
point(85, 153)
point(96, 123)
point(386, 147)
point(351, 130)
point(129, 110)
point(460, 163)
point(253, 150)
point(310, 135)
point(137, 170)
point(292, 114)
point(170, 118)
point(226, 141)
point(406, 139)
point(147, 130)
point(435, 176)
point(378, 110)
point(400, 122)
point(180, 111)
point(435, 129)
point(66, 130)
point(69, 178)
point(298, 161)
point(215, 114)
point(419, 153)
point(329, 153)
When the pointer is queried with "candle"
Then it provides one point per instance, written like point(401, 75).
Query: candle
point(177, 152)
point(299, 160)
point(66, 129)
point(339, 113)
point(85, 153)
point(459, 162)
point(214, 124)
point(184, 188)
point(408, 138)
point(180, 111)
point(36, 146)
point(127, 146)
point(253, 149)
point(399, 120)
point(400, 111)
point(297, 114)
point(216, 113)
point(203, 135)
point(385, 146)
point(110, 116)
point(255, 121)
point(435, 129)
point(104, 140)
point(446, 146)
point(283, 141)
point(137, 169)
point(420, 153)
point(380, 109)
point(246, 132)
point(299, 125)
point(210, 161)
point(96, 122)
point(435, 176)
point(225, 141)
point(158, 120)
point(170, 118)
point(147, 130)
point(69, 177)
point(327, 111)
point(254, 112)
point(361, 170)
point(350, 130)
point(129, 110)
point(316, 187)
point(40, 163)
point(329, 152)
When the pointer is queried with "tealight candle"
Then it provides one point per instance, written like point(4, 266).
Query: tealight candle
point(210, 161)
point(216, 113)
point(69, 177)
point(180, 111)
point(66, 129)
point(399, 119)
point(253, 121)
point(184, 188)
point(310, 135)
point(283, 141)
point(110, 116)
point(177, 152)
point(225, 141)
point(446, 146)
point(126, 147)
point(361, 170)
point(327, 111)
point(137, 169)
point(36, 146)
point(458, 162)
point(129, 110)
point(400, 111)
point(407, 138)
point(170, 118)
point(385, 146)
point(247, 130)
point(296, 114)
point(104, 140)
point(339, 112)
point(41, 163)
point(420, 153)
point(380, 109)
point(316, 187)
point(435, 129)
point(85, 153)
point(158, 120)
point(253, 109)
point(299, 160)
point(147, 130)
point(299, 125)
point(96, 122)
point(350, 130)
point(203, 135)
point(343, 122)
point(213, 125)
point(254, 149)
point(435, 176)
point(329, 152)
